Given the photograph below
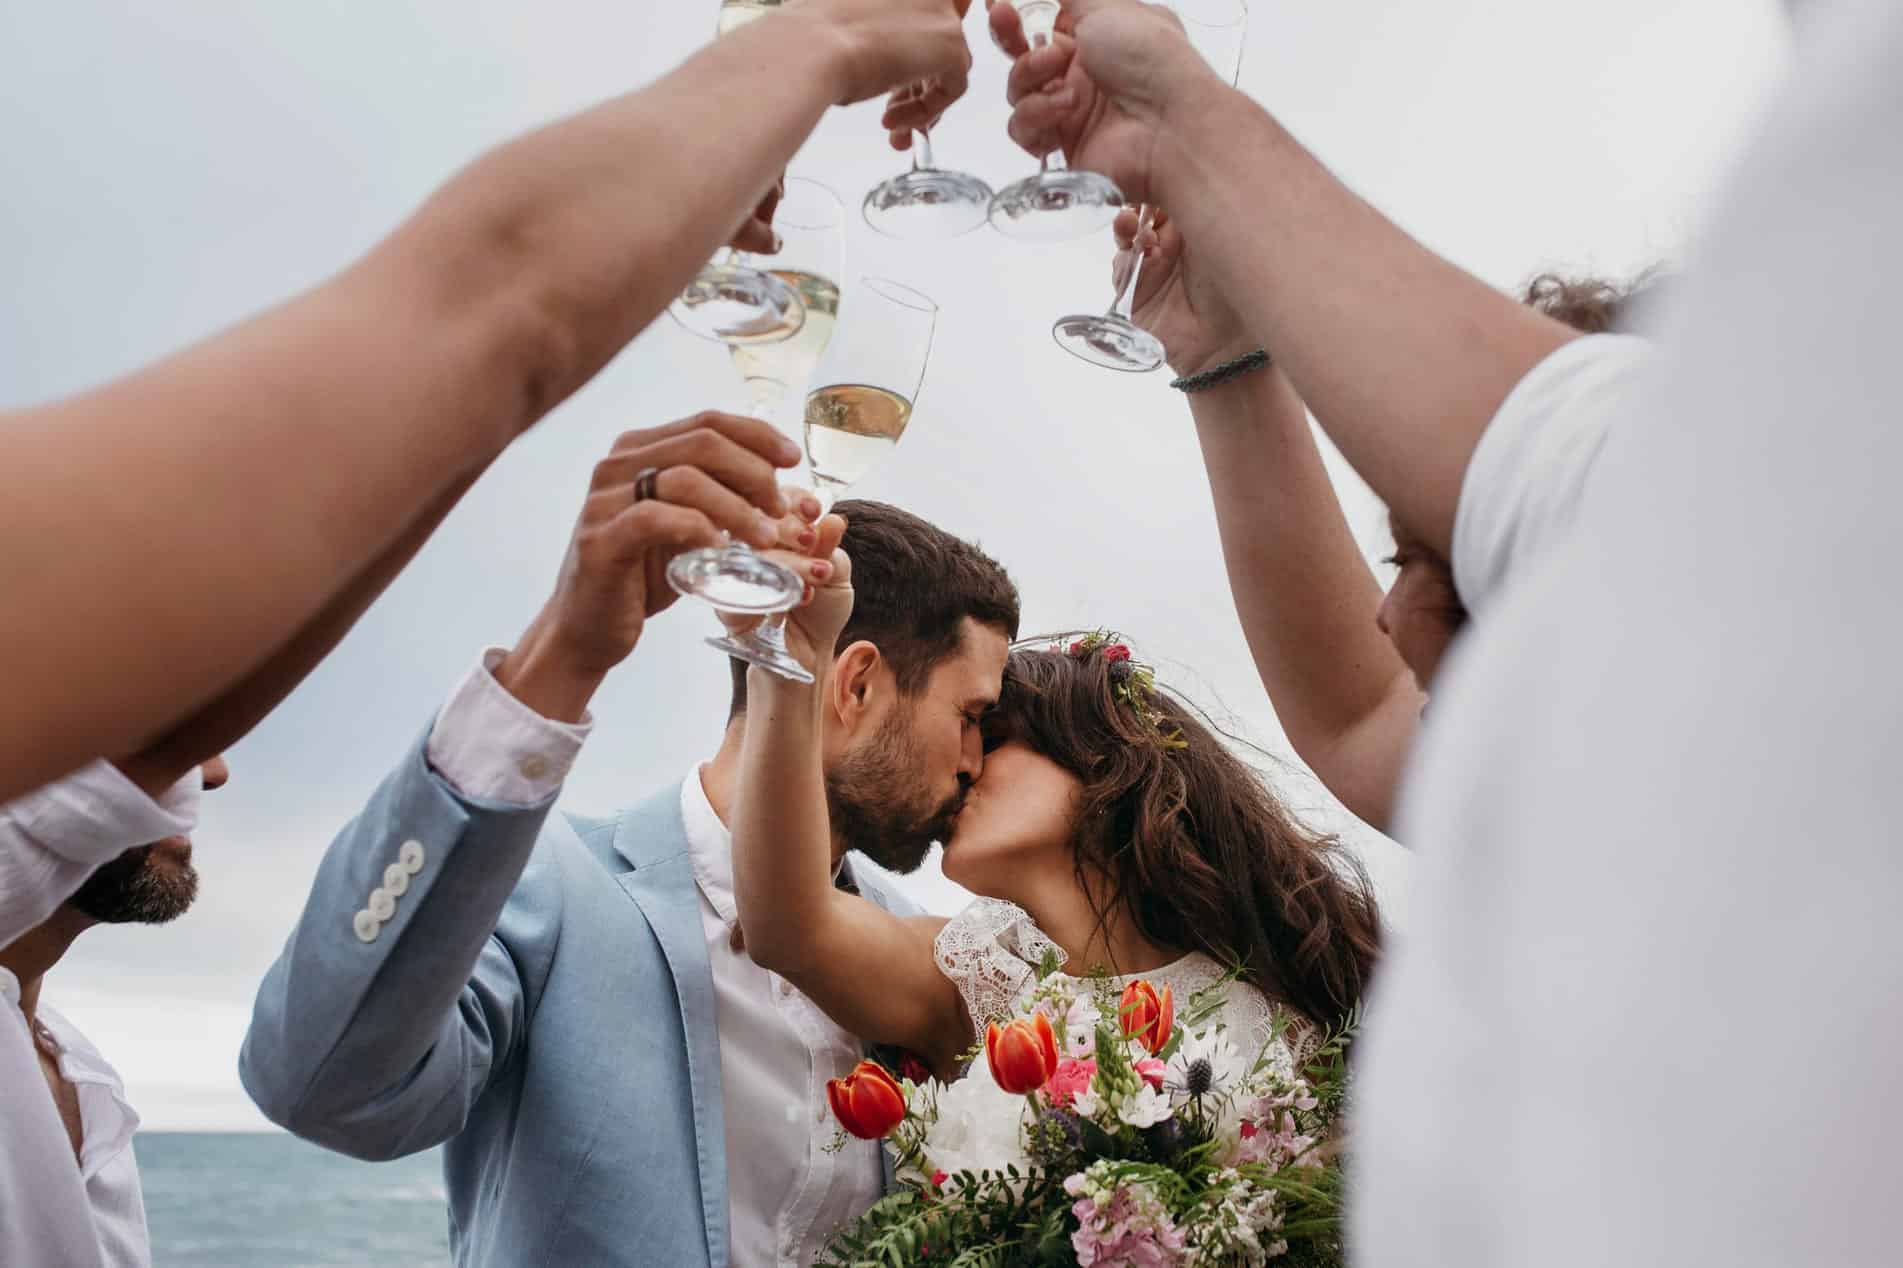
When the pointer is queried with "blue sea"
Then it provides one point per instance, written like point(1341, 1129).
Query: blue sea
point(273, 1201)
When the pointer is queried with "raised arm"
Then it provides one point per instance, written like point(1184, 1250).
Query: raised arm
point(307, 440)
point(869, 970)
point(1403, 357)
point(1305, 595)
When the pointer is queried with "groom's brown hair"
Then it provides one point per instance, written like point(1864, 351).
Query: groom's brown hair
point(913, 586)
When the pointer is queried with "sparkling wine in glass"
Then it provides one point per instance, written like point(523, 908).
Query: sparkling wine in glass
point(734, 578)
point(1056, 203)
point(1216, 29)
point(731, 299)
point(869, 381)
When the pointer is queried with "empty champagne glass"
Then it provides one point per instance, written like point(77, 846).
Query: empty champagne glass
point(1217, 29)
point(732, 299)
point(927, 201)
point(735, 578)
point(1057, 203)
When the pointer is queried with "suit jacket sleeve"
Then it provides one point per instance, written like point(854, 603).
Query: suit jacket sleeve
point(379, 1046)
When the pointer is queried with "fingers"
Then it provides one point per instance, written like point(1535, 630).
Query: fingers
point(1125, 228)
point(831, 531)
point(742, 452)
point(1040, 72)
point(1007, 28)
point(757, 236)
point(654, 524)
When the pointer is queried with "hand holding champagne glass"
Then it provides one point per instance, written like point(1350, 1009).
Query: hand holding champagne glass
point(811, 222)
point(1057, 202)
point(1217, 29)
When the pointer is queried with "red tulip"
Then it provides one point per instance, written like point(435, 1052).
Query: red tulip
point(1148, 1017)
point(867, 1102)
point(1023, 1053)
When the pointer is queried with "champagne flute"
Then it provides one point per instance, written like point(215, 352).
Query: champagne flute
point(811, 224)
point(871, 376)
point(1056, 203)
point(1217, 29)
point(1112, 339)
point(870, 380)
point(730, 299)
point(927, 201)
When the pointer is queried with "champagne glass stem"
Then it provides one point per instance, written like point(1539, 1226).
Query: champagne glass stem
point(1054, 160)
point(922, 150)
point(1127, 293)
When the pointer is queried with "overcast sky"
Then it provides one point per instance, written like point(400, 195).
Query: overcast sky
point(170, 168)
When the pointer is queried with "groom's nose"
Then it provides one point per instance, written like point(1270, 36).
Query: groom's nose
point(971, 758)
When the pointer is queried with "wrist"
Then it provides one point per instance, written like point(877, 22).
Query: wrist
point(547, 678)
point(1199, 361)
point(1198, 108)
point(830, 45)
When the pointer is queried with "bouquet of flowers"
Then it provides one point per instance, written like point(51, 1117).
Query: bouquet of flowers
point(1102, 1129)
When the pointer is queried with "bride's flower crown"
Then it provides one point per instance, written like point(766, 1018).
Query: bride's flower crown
point(1133, 682)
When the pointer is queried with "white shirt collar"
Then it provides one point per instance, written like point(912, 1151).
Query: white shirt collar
point(709, 847)
point(107, 1119)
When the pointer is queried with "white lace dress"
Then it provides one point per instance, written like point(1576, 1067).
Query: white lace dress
point(992, 951)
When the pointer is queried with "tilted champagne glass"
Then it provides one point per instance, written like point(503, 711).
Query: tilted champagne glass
point(869, 377)
point(927, 201)
point(868, 384)
point(1217, 29)
point(731, 299)
point(734, 578)
point(1057, 203)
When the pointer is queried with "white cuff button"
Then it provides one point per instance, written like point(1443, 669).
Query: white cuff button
point(396, 880)
point(367, 926)
point(382, 906)
point(412, 857)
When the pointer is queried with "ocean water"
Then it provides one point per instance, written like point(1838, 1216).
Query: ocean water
point(267, 1200)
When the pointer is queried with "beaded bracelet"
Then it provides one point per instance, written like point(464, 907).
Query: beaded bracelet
point(1223, 373)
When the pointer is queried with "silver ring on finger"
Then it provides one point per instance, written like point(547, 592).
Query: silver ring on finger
point(644, 482)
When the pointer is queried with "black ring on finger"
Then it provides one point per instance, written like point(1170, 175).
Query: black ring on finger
point(644, 484)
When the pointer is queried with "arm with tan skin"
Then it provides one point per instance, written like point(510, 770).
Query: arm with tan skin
point(795, 921)
point(1403, 357)
point(307, 441)
point(1305, 595)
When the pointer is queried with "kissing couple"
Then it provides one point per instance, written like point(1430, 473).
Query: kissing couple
point(621, 1028)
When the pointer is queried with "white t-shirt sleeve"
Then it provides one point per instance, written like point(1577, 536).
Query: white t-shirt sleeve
point(1530, 470)
point(54, 837)
point(491, 747)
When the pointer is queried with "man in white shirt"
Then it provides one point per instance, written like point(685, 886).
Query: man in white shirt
point(69, 1185)
point(1647, 1008)
point(566, 1003)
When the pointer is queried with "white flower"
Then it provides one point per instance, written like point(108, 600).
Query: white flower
point(1087, 1103)
point(1204, 1065)
point(1144, 1108)
point(979, 1127)
point(1080, 1029)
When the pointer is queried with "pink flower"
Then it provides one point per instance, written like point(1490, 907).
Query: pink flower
point(1071, 1077)
point(1152, 1071)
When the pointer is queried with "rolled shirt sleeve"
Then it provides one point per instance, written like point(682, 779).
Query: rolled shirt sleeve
point(54, 837)
point(490, 747)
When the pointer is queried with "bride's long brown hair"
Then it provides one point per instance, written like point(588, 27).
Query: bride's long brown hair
point(1198, 852)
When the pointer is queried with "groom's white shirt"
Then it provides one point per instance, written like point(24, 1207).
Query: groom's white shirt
point(787, 1190)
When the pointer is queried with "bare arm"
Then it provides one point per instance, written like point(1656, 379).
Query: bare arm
point(1306, 598)
point(1403, 357)
point(795, 921)
point(255, 474)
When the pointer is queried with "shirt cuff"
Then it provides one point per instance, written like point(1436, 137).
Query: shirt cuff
point(96, 814)
point(1530, 469)
point(491, 747)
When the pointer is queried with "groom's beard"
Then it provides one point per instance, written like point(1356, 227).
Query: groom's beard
point(140, 887)
point(879, 802)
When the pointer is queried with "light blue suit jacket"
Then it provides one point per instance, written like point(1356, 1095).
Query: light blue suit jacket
point(555, 1032)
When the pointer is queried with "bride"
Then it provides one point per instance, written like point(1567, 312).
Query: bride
point(1110, 830)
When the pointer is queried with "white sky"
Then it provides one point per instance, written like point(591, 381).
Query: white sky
point(173, 167)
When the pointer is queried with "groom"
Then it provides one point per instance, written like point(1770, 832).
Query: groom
point(565, 1002)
